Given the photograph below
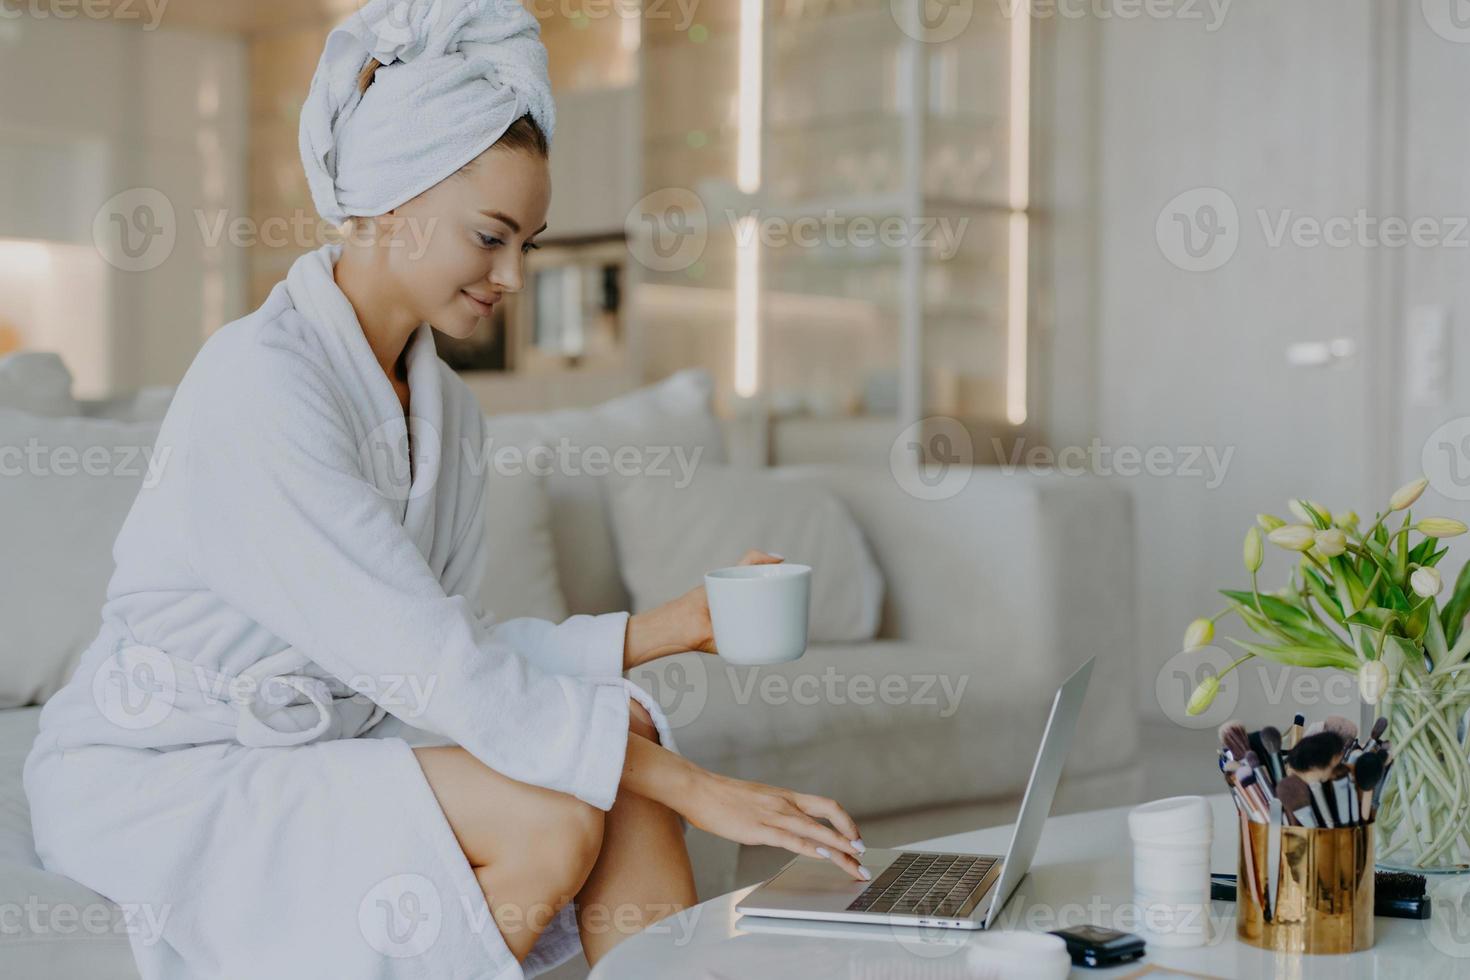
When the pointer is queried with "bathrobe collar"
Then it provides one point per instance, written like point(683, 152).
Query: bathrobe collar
point(383, 429)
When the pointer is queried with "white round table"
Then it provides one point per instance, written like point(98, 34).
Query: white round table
point(1082, 873)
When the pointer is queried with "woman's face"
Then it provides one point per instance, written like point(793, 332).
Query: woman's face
point(461, 245)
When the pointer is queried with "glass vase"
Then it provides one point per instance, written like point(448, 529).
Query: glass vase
point(1423, 821)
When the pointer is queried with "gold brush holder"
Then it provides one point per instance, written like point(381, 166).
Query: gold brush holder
point(1324, 890)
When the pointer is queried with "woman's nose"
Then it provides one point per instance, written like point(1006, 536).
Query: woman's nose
point(507, 273)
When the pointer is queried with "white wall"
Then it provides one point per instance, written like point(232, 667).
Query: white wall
point(1291, 109)
point(94, 108)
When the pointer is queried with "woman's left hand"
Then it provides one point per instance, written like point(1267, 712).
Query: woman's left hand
point(680, 624)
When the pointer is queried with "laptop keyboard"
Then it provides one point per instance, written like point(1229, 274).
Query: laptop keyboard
point(924, 884)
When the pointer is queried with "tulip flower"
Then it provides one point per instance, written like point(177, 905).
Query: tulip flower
point(1269, 522)
point(1293, 537)
point(1373, 681)
point(1303, 514)
point(1426, 582)
point(1346, 519)
point(1199, 634)
point(1331, 542)
point(1440, 527)
point(1204, 695)
point(1254, 552)
point(1404, 497)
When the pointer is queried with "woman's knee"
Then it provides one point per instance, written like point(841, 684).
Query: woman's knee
point(570, 840)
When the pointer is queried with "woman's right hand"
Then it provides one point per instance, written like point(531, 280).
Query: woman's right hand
point(754, 813)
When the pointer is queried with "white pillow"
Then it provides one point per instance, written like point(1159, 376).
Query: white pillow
point(669, 535)
point(66, 484)
point(520, 574)
point(666, 427)
point(36, 382)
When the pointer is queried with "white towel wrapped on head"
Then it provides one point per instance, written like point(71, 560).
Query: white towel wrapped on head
point(456, 74)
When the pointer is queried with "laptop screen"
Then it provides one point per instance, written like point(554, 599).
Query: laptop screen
point(1056, 742)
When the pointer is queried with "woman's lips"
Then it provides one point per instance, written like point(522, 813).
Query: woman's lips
point(480, 306)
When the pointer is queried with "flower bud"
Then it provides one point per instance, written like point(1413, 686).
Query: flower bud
point(1346, 519)
point(1293, 537)
point(1440, 527)
point(1405, 495)
point(1331, 542)
point(1269, 522)
point(1204, 695)
point(1426, 582)
point(1303, 514)
point(1254, 550)
point(1373, 681)
point(1199, 633)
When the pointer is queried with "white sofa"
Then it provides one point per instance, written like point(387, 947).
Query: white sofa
point(992, 596)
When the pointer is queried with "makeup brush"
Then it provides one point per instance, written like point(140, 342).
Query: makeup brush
point(1273, 859)
point(1257, 746)
point(1251, 787)
point(1235, 738)
point(1296, 800)
point(1367, 771)
point(1379, 727)
point(1313, 759)
point(1342, 795)
point(1265, 780)
point(1271, 739)
point(1294, 733)
point(1345, 727)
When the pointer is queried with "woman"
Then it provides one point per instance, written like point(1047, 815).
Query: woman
point(294, 747)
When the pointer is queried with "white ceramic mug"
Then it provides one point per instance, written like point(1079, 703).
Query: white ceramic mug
point(759, 612)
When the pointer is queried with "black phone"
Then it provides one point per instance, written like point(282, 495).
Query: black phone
point(1097, 947)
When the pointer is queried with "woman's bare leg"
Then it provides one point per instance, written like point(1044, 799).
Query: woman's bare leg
point(531, 848)
point(642, 873)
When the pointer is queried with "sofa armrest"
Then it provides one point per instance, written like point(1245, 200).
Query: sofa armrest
point(1035, 573)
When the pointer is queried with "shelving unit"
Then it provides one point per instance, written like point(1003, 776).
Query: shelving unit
point(864, 126)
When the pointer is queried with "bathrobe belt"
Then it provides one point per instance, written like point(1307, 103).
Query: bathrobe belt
point(276, 701)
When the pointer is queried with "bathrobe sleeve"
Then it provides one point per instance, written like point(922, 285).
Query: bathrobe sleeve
point(284, 524)
point(580, 646)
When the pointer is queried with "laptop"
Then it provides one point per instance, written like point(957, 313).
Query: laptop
point(926, 888)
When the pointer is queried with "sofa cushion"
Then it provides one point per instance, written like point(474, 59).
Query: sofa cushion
point(66, 484)
point(660, 428)
point(520, 577)
point(882, 726)
point(62, 929)
point(36, 382)
point(669, 534)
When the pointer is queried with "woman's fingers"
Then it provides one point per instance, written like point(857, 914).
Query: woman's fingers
point(820, 806)
point(797, 844)
point(753, 557)
point(805, 826)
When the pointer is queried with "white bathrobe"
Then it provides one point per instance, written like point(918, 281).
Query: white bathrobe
point(283, 590)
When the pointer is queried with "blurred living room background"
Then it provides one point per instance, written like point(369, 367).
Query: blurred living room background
point(1011, 230)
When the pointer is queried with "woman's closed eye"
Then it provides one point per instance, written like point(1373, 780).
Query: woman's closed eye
point(490, 241)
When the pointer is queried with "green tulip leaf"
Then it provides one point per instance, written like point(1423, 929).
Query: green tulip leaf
point(1453, 615)
point(1298, 656)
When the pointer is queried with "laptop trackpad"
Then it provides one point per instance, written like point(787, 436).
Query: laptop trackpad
point(814, 884)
